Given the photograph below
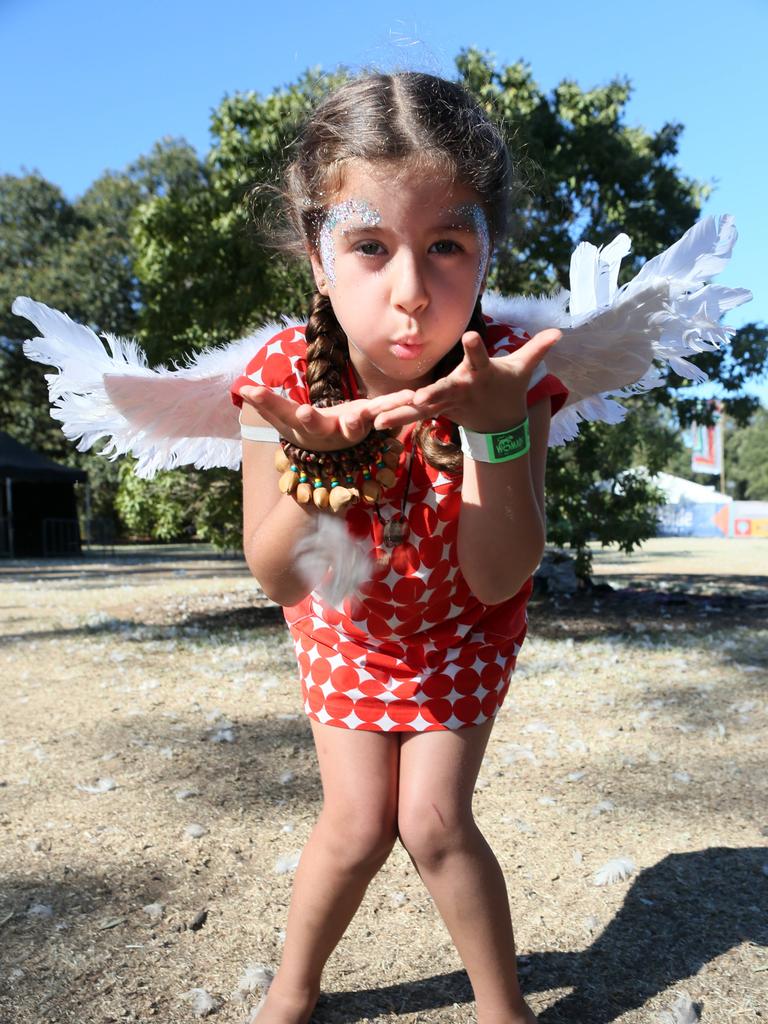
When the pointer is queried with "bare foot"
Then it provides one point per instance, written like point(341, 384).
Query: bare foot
point(524, 1015)
point(277, 1007)
point(527, 1017)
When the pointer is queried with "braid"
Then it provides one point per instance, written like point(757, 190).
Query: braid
point(447, 455)
point(327, 353)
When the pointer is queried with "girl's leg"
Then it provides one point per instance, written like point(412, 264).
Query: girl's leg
point(438, 771)
point(352, 838)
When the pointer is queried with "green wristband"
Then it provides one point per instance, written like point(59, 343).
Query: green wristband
point(502, 447)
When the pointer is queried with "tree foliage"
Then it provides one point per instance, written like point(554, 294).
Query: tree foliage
point(169, 251)
point(746, 461)
point(77, 257)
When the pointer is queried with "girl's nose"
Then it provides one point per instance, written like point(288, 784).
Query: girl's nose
point(409, 292)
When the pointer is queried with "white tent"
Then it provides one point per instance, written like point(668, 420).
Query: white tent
point(681, 491)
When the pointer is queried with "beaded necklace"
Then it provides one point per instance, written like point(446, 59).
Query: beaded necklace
point(396, 529)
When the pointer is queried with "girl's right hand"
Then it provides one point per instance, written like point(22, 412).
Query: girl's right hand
point(319, 430)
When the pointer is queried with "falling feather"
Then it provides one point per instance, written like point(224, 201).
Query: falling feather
point(42, 910)
point(602, 807)
point(332, 561)
point(154, 911)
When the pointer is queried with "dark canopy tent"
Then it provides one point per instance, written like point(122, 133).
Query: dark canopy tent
point(38, 512)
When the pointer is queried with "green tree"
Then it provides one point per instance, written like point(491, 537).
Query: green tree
point(745, 458)
point(78, 257)
point(197, 272)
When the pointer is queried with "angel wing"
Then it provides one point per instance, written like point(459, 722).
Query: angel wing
point(616, 341)
point(613, 339)
point(164, 417)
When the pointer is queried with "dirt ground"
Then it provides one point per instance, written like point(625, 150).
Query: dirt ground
point(158, 781)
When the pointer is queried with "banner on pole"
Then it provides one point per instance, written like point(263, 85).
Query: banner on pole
point(707, 446)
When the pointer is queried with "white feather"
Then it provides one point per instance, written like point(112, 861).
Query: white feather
point(616, 870)
point(683, 1011)
point(333, 562)
point(203, 1003)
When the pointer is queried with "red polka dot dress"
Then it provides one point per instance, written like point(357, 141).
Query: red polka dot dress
point(419, 652)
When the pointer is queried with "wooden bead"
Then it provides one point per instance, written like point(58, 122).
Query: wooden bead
point(340, 497)
point(385, 477)
point(320, 497)
point(304, 493)
point(371, 491)
point(282, 462)
point(288, 481)
point(392, 459)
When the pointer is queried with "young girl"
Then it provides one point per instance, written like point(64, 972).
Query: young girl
point(423, 425)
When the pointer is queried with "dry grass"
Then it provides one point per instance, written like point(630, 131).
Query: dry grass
point(635, 727)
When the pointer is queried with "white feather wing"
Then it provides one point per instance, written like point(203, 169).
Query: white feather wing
point(617, 341)
point(164, 417)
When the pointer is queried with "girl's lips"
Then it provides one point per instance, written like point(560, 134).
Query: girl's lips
point(407, 351)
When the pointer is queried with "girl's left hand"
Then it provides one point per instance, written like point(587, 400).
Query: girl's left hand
point(483, 394)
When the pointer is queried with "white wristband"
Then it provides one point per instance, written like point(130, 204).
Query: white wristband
point(249, 432)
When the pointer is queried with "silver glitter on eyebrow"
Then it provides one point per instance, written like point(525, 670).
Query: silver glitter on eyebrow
point(475, 214)
point(339, 214)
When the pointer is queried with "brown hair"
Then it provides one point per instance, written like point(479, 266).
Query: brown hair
point(422, 121)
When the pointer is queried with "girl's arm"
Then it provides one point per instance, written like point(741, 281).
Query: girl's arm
point(502, 524)
point(272, 521)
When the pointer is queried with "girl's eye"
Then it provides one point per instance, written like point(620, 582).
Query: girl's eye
point(370, 248)
point(446, 246)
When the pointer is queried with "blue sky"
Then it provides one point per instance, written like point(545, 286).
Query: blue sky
point(88, 86)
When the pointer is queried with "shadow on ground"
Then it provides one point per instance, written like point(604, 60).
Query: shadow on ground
point(679, 915)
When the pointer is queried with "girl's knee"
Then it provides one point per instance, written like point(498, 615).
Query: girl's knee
point(430, 831)
point(356, 839)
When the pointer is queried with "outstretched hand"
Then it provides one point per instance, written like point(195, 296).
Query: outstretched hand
point(483, 394)
point(320, 430)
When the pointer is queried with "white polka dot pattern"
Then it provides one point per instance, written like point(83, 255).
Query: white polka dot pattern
point(419, 652)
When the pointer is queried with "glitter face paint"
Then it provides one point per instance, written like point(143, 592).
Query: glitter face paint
point(340, 214)
point(475, 214)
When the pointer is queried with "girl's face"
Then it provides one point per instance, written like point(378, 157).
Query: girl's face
point(402, 258)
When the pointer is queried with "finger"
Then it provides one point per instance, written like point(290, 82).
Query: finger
point(397, 417)
point(310, 420)
point(253, 394)
point(436, 392)
point(260, 399)
point(383, 403)
point(533, 351)
point(475, 351)
point(428, 409)
point(269, 403)
point(355, 422)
